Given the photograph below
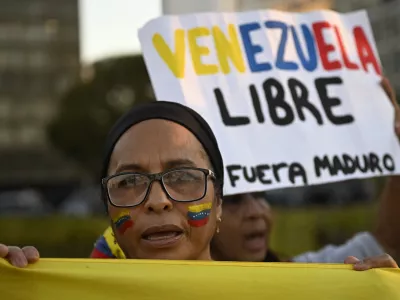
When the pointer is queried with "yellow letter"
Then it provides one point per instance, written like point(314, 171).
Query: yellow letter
point(228, 49)
point(175, 61)
point(198, 51)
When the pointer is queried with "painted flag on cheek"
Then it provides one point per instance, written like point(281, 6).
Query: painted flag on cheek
point(198, 215)
point(123, 221)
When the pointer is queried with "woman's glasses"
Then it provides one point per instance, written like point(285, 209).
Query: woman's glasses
point(130, 189)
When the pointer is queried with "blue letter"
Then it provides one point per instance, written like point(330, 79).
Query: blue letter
point(311, 63)
point(280, 59)
point(251, 49)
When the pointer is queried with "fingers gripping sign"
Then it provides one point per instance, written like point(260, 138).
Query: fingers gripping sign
point(381, 261)
point(19, 257)
point(3, 251)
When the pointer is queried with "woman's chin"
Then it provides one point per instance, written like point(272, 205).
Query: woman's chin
point(164, 254)
point(174, 251)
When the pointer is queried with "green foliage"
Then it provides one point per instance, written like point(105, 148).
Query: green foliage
point(300, 230)
point(54, 236)
point(89, 109)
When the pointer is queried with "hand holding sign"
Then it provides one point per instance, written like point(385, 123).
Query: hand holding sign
point(19, 257)
point(382, 261)
point(293, 99)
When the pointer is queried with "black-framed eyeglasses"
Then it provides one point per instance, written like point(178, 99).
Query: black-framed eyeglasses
point(129, 189)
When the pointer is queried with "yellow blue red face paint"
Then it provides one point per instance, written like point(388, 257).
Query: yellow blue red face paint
point(123, 221)
point(199, 214)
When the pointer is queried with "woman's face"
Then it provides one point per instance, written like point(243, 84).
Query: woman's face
point(161, 228)
point(245, 228)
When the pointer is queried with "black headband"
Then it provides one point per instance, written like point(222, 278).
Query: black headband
point(174, 112)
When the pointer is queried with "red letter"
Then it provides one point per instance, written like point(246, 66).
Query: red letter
point(325, 48)
point(348, 64)
point(365, 51)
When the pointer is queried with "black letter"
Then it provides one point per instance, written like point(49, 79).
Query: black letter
point(233, 178)
point(388, 162)
point(337, 165)
point(374, 161)
point(296, 169)
point(329, 103)
point(252, 177)
point(260, 173)
point(226, 118)
point(321, 164)
point(366, 164)
point(256, 103)
point(348, 164)
point(277, 101)
point(275, 169)
point(301, 100)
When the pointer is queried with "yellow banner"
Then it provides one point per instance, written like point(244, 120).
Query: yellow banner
point(93, 279)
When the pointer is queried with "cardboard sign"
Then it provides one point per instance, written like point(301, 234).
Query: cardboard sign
point(294, 99)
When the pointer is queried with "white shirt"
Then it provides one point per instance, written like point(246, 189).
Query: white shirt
point(362, 245)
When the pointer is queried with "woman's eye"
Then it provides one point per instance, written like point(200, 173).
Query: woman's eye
point(182, 176)
point(122, 183)
point(129, 182)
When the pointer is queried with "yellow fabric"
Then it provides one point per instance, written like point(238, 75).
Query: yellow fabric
point(95, 279)
point(112, 243)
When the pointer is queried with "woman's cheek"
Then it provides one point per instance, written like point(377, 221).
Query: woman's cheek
point(122, 221)
point(198, 215)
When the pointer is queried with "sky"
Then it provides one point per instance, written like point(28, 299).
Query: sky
point(109, 27)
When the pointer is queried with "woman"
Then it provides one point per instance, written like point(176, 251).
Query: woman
point(162, 185)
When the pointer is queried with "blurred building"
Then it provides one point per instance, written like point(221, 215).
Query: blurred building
point(175, 7)
point(191, 6)
point(39, 59)
point(383, 14)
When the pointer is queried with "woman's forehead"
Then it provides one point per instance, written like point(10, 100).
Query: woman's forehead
point(159, 142)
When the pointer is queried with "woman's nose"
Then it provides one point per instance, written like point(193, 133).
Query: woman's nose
point(157, 200)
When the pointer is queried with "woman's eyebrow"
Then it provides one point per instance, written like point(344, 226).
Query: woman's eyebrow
point(171, 164)
point(176, 163)
point(129, 167)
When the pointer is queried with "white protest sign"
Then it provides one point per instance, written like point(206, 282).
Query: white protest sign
point(293, 99)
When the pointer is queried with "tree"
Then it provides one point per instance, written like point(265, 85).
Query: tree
point(89, 109)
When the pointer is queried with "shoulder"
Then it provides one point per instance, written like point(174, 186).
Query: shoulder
point(361, 245)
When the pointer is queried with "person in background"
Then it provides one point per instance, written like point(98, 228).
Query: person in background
point(246, 226)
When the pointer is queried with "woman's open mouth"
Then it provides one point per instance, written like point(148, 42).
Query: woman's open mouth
point(162, 236)
point(255, 241)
